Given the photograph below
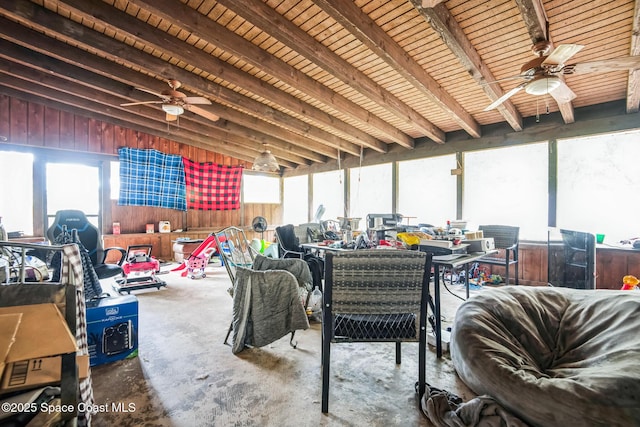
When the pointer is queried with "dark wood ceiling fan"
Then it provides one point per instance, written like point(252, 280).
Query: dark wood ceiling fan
point(174, 103)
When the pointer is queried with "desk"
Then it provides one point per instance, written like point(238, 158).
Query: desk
point(451, 261)
point(318, 247)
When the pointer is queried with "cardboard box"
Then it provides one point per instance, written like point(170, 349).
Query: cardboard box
point(39, 372)
point(112, 328)
point(8, 328)
point(34, 357)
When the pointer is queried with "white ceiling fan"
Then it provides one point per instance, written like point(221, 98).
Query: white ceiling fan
point(542, 75)
point(174, 103)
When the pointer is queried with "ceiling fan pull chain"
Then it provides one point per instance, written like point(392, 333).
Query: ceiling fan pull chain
point(537, 110)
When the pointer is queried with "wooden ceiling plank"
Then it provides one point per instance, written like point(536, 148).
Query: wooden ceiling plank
point(90, 80)
point(288, 33)
point(155, 66)
point(217, 67)
point(55, 100)
point(445, 24)
point(351, 17)
point(213, 32)
point(50, 86)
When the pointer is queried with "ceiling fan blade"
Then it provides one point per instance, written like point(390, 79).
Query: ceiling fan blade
point(152, 92)
point(128, 104)
point(561, 53)
point(518, 77)
point(196, 100)
point(171, 117)
point(506, 96)
point(202, 112)
point(562, 94)
point(603, 66)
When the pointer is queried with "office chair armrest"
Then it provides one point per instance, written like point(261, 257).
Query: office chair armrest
point(123, 254)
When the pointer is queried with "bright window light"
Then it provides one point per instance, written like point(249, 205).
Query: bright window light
point(370, 191)
point(296, 200)
point(328, 191)
point(260, 188)
point(598, 185)
point(73, 186)
point(16, 196)
point(114, 178)
point(508, 186)
point(427, 190)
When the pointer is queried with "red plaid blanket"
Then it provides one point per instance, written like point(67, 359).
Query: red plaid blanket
point(211, 186)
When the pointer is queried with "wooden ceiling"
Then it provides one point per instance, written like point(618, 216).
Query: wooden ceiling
point(313, 79)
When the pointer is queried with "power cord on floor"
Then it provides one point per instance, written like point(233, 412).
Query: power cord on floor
point(444, 283)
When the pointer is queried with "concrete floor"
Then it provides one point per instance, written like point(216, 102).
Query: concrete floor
point(185, 376)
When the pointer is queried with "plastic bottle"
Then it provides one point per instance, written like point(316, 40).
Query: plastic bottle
point(315, 301)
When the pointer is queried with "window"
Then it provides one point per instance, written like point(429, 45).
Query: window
point(114, 184)
point(370, 191)
point(73, 186)
point(427, 190)
point(328, 191)
point(16, 197)
point(598, 185)
point(508, 186)
point(296, 200)
point(260, 188)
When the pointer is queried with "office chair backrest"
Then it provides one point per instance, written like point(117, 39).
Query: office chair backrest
point(88, 233)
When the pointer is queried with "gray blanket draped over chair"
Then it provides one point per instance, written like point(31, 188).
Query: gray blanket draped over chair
point(266, 307)
point(295, 266)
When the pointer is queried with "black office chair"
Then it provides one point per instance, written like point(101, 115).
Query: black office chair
point(91, 239)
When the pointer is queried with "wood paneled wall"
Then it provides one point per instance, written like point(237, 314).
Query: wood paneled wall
point(612, 265)
point(33, 125)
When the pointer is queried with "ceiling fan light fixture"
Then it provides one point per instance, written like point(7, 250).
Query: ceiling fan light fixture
point(266, 162)
point(173, 109)
point(543, 85)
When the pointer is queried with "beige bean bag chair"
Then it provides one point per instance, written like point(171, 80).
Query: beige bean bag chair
point(553, 356)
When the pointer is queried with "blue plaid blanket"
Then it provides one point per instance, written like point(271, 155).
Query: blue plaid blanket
point(151, 178)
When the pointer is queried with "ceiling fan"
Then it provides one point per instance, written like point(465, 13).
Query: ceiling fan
point(542, 75)
point(174, 103)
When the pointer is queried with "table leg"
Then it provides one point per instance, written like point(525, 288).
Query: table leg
point(436, 311)
point(466, 278)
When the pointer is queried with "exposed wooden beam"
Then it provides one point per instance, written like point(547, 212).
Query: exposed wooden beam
point(270, 21)
point(192, 21)
point(117, 52)
point(633, 85)
point(351, 17)
point(450, 32)
point(535, 18)
point(88, 85)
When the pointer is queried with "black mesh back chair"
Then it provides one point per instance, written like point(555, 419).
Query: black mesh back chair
point(91, 239)
point(375, 296)
point(507, 241)
point(288, 242)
